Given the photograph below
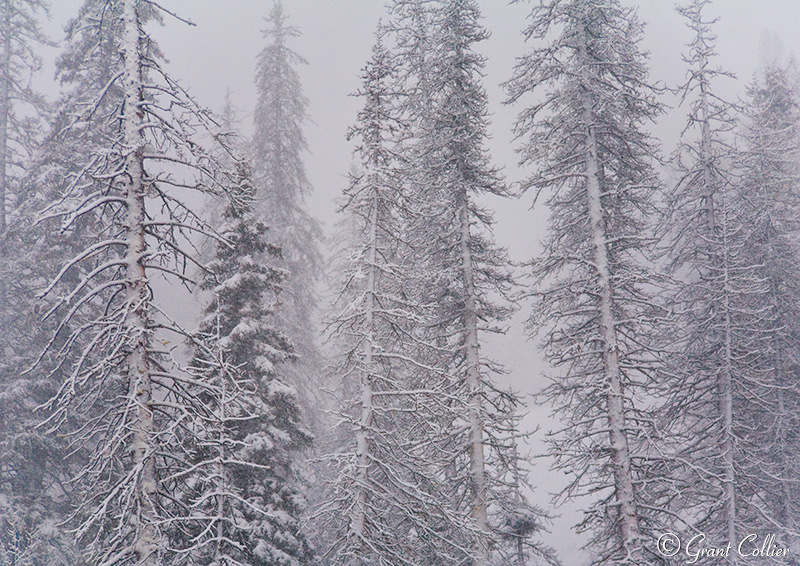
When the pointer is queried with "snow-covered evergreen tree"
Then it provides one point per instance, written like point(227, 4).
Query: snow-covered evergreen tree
point(585, 140)
point(460, 272)
point(397, 511)
point(708, 399)
point(432, 473)
point(216, 206)
point(19, 37)
point(281, 187)
point(242, 498)
point(32, 467)
point(132, 157)
point(768, 202)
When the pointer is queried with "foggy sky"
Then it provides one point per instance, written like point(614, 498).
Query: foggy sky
point(219, 52)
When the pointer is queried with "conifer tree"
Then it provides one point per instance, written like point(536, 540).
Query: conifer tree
point(433, 450)
point(460, 273)
point(243, 498)
point(730, 402)
point(19, 36)
point(281, 188)
point(768, 201)
point(707, 400)
point(397, 510)
point(586, 142)
point(133, 156)
point(32, 468)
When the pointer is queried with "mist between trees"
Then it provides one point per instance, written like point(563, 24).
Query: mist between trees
point(265, 426)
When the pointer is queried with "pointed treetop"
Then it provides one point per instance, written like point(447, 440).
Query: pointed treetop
point(278, 20)
point(230, 114)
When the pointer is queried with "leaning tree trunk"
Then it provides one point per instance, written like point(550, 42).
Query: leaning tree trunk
point(139, 369)
point(477, 462)
point(627, 518)
point(367, 379)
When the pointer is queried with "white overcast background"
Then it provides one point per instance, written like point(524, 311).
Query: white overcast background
point(219, 53)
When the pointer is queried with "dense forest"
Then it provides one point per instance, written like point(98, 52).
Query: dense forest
point(193, 371)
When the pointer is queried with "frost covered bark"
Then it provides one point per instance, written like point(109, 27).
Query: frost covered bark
point(138, 365)
point(586, 141)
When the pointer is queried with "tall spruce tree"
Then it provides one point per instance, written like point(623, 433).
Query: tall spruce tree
point(707, 401)
point(460, 273)
point(432, 474)
point(281, 187)
point(768, 201)
point(397, 509)
point(132, 159)
point(32, 468)
point(243, 495)
point(19, 36)
point(585, 140)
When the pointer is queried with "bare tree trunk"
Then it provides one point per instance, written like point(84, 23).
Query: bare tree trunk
point(362, 436)
point(620, 455)
point(220, 466)
point(5, 109)
point(139, 369)
point(725, 377)
point(477, 465)
point(705, 156)
point(725, 385)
